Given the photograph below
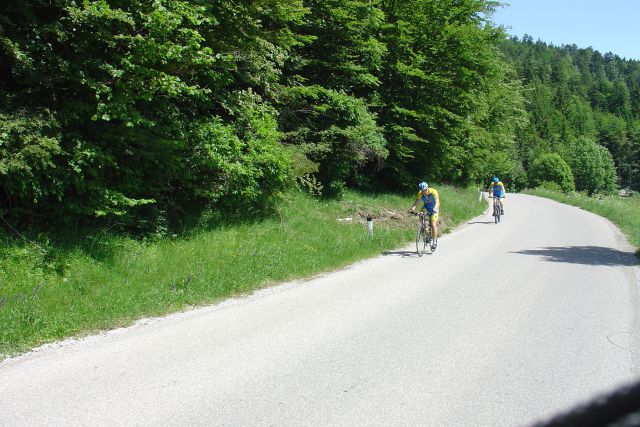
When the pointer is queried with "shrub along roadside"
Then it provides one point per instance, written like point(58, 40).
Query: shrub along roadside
point(49, 290)
point(622, 211)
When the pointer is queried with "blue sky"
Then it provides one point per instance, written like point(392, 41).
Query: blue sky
point(605, 25)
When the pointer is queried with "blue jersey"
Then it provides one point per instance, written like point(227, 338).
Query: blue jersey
point(498, 189)
point(429, 201)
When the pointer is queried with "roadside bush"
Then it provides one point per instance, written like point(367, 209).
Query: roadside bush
point(592, 166)
point(29, 150)
point(550, 168)
point(334, 130)
point(550, 186)
point(519, 178)
point(240, 165)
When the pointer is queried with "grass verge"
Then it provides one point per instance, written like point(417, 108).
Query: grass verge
point(622, 211)
point(51, 290)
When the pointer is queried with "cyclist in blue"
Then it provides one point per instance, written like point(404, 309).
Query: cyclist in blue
point(430, 204)
point(496, 189)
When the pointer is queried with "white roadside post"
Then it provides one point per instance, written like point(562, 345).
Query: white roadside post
point(370, 226)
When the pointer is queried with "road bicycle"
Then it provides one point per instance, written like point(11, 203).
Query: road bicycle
point(424, 236)
point(496, 208)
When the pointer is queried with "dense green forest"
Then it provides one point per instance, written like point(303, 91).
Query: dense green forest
point(584, 108)
point(137, 112)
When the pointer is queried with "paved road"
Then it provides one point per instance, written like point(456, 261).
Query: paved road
point(505, 325)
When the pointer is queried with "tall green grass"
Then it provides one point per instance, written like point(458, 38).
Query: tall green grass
point(55, 289)
point(622, 211)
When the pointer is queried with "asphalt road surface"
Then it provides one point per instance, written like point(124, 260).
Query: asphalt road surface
point(504, 325)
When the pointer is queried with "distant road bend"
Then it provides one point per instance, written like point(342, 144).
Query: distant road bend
point(504, 325)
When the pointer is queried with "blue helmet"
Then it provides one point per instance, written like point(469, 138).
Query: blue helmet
point(495, 179)
point(423, 185)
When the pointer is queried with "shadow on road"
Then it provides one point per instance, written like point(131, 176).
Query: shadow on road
point(481, 222)
point(402, 253)
point(589, 255)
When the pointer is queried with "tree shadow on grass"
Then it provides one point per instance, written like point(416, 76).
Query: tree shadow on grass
point(588, 255)
point(51, 246)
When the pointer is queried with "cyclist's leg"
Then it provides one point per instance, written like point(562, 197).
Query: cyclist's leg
point(434, 225)
point(434, 230)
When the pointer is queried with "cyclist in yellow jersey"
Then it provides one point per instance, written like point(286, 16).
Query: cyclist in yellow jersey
point(431, 205)
point(496, 189)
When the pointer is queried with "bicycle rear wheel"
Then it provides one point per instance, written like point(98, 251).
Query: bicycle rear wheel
point(421, 240)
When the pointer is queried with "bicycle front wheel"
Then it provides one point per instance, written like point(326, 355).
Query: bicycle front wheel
point(421, 240)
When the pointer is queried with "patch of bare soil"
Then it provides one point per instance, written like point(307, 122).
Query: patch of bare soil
point(387, 217)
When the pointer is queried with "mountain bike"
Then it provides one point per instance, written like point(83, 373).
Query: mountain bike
point(424, 235)
point(496, 208)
